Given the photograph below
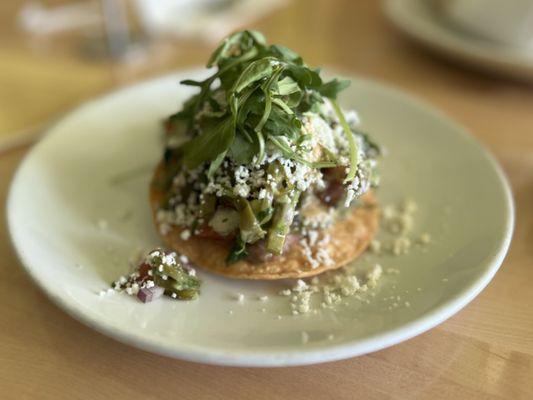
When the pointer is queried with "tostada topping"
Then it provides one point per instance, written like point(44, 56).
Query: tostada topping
point(262, 151)
point(161, 273)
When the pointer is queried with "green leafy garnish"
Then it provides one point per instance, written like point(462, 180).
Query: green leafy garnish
point(209, 144)
point(237, 252)
point(266, 90)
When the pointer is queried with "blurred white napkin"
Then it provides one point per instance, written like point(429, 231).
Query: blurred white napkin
point(204, 19)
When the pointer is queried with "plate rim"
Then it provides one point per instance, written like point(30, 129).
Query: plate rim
point(301, 356)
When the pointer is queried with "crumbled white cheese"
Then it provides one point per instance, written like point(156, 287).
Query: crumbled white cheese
point(401, 245)
point(241, 174)
point(302, 302)
point(399, 220)
point(149, 284)
point(168, 259)
point(300, 286)
point(374, 275)
point(242, 190)
point(313, 237)
point(350, 285)
point(338, 287)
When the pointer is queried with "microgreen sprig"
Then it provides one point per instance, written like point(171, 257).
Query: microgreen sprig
point(267, 89)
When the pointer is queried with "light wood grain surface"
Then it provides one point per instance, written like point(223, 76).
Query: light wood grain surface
point(484, 352)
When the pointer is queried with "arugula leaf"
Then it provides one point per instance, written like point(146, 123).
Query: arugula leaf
point(287, 86)
point(285, 54)
point(305, 77)
point(237, 252)
point(238, 41)
point(267, 89)
point(289, 153)
point(268, 99)
point(332, 88)
point(242, 150)
point(294, 100)
point(284, 106)
point(215, 164)
point(209, 144)
point(254, 72)
point(282, 124)
point(258, 37)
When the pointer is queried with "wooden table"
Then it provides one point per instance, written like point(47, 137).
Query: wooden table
point(484, 352)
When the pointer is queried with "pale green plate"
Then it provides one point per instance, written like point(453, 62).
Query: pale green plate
point(64, 186)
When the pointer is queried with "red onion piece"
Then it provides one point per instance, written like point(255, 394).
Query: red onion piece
point(147, 295)
point(333, 193)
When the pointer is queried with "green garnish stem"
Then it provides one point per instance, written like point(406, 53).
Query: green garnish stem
point(351, 141)
point(281, 223)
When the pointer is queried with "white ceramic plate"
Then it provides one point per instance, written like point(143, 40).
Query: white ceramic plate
point(418, 19)
point(65, 186)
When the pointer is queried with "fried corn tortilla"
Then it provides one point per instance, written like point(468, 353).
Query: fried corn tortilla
point(350, 236)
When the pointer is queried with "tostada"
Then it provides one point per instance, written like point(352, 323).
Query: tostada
point(263, 175)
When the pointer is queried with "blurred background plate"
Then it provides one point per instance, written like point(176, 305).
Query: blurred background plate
point(423, 21)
